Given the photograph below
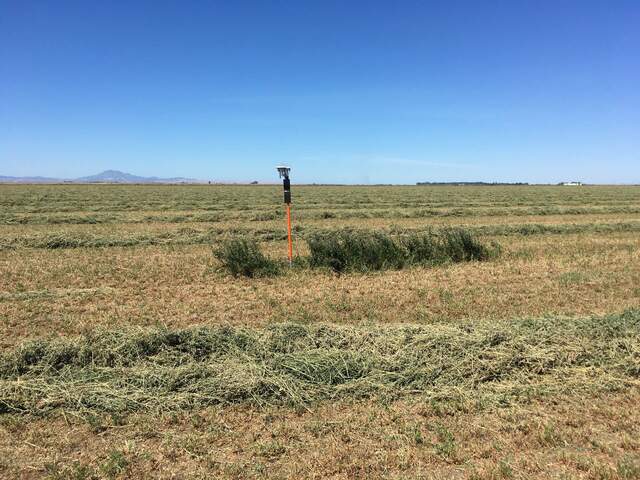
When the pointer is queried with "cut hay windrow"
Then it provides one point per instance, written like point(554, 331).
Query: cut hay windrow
point(200, 236)
point(486, 363)
point(309, 212)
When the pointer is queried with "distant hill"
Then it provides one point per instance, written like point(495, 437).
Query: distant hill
point(5, 179)
point(116, 176)
point(108, 176)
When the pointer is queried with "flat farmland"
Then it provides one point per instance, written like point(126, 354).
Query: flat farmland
point(128, 352)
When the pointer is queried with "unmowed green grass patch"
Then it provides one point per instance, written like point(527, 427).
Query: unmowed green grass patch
point(243, 257)
point(348, 250)
point(354, 250)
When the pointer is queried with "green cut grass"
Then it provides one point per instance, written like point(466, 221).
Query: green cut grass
point(482, 362)
point(200, 236)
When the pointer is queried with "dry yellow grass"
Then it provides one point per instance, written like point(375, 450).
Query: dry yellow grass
point(64, 292)
point(593, 438)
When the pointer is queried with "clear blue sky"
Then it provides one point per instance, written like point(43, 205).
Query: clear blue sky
point(343, 91)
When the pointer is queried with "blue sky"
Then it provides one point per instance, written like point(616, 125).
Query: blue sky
point(343, 91)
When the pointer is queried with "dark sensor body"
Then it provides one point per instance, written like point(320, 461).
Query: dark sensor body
point(286, 183)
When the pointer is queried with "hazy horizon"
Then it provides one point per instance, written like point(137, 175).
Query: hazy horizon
point(177, 178)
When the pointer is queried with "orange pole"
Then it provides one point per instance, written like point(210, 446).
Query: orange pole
point(289, 233)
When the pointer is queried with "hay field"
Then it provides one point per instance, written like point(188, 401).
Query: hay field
point(126, 352)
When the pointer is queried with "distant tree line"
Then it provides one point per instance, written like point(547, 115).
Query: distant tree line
point(472, 183)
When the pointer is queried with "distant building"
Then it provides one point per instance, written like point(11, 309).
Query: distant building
point(571, 184)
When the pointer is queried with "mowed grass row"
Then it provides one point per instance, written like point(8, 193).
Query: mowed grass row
point(196, 236)
point(66, 292)
point(480, 363)
point(306, 213)
point(110, 199)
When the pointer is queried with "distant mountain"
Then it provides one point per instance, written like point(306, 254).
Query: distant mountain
point(4, 179)
point(108, 176)
point(116, 176)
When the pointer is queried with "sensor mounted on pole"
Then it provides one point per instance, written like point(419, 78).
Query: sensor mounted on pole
point(283, 172)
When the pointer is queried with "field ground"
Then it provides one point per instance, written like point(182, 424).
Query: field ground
point(82, 261)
